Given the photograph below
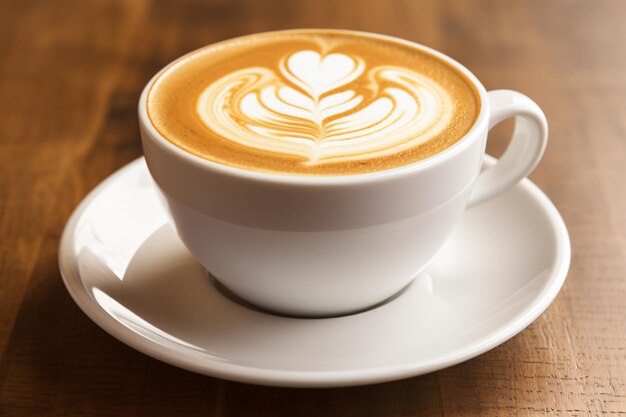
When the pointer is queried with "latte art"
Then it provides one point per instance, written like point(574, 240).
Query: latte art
point(308, 109)
point(312, 103)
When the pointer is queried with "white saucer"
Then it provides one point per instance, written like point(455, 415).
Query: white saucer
point(127, 270)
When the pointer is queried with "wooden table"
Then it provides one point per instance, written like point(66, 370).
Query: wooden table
point(70, 76)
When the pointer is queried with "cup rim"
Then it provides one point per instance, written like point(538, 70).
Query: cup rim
point(319, 180)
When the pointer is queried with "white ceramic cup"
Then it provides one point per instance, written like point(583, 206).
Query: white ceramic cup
point(331, 245)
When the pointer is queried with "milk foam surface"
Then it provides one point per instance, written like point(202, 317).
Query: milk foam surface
point(317, 103)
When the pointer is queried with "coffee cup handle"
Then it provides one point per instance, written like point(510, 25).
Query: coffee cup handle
point(526, 148)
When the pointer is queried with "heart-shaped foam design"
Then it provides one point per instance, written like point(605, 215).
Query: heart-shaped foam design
point(317, 75)
point(309, 108)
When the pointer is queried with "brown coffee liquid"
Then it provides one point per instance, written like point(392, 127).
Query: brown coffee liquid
point(312, 102)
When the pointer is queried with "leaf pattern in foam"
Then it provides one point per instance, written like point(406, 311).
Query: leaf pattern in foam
point(308, 109)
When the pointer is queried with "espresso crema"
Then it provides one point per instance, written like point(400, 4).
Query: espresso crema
point(312, 102)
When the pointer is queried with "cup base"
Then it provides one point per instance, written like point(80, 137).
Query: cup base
point(234, 297)
point(130, 273)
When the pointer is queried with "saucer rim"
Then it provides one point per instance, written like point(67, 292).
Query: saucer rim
point(214, 367)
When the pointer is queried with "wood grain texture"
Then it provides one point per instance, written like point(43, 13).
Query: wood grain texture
point(70, 76)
